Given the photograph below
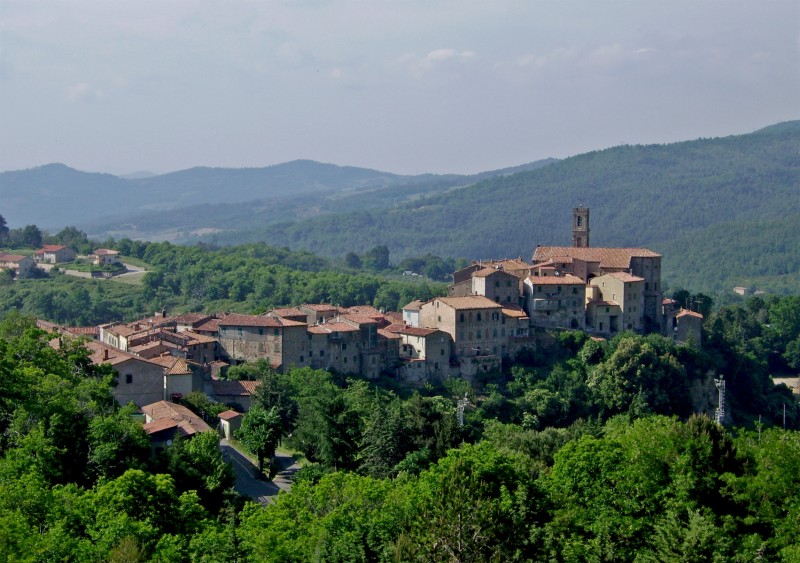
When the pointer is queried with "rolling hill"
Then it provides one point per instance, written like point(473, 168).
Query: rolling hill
point(653, 195)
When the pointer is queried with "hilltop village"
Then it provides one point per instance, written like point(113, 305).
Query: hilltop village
point(493, 310)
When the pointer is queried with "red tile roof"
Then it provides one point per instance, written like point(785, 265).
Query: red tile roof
point(414, 331)
point(688, 313)
point(607, 257)
point(468, 302)
point(50, 248)
point(178, 413)
point(625, 277)
point(234, 388)
point(566, 279)
point(256, 320)
point(229, 415)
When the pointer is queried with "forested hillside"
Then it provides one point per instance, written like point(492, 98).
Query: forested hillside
point(587, 452)
point(639, 196)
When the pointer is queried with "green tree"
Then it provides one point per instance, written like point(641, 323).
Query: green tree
point(261, 432)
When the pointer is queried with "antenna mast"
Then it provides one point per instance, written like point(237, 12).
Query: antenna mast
point(719, 413)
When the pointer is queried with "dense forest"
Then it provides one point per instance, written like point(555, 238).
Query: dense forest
point(649, 195)
point(586, 451)
point(580, 450)
point(249, 279)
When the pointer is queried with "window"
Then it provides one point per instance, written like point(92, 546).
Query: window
point(508, 283)
point(442, 352)
point(261, 332)
point(439, 318)
point(322, 353)
point(479, 316)
point(478, 335)
point(301, 359)
point(436, 365)
point(345, 359)
point(311, 353)
point(497, 283)
point(128, 378)
point(574, 291)
point(460, 317)
point(494, 333)
point(344, 345)
point(539, 289)
point(239, 330)
point(276, 332)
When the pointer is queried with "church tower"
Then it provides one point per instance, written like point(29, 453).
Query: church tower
point(580, 227)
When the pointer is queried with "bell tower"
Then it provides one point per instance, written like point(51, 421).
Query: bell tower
point(580, 227)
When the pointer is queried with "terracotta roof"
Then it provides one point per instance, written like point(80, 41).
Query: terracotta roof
point(607, 257)
point(286, 312)
point(50, 248)
point(104, 354)
point(625, 277)
point(668, 302)
point(566, 279)
point(177, 413)
point(257, 320)
point(83, 330)
point(173, 365)
point(11, 257)
point(413, 306)
point(211, 325)
point(688, 313)
point(229, 415)
point(514, 311)
point(359, 319)
point(191, 318)
point(393, 317)
point(319, 307)
point(363, 311)
point(105, 252)
point(234, 388)
point(488, 271)
point(196, 338)
point(328, 328)
point(468, 302)
point(47, 325)
point(414, 331)
point(388, 334)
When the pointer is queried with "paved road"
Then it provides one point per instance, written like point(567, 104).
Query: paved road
point(130, 269)
point(249, 483)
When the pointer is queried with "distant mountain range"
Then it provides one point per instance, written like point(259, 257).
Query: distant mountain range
point(141, 205)
point(722, 210)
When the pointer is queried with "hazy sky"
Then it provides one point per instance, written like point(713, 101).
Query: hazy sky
point(402, 86)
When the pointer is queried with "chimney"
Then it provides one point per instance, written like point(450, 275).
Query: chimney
point(105, 353)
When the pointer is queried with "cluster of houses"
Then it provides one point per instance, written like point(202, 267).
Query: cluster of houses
point(493, 310)
point(22, 266)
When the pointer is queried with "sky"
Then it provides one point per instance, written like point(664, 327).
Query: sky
point(405, 86)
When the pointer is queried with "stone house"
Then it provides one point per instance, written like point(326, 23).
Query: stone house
point(139, 381)
point(104, 257)
point(54, 254)
point(235, 393)
point(555, 301)
point(246, 338)
point(426, 353)
point(229, 422)
point(166, 422)
point(621, 292)
point(19, 266)
point(476, 326)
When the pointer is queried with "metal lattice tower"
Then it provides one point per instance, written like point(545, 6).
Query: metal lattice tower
point(462, 404)
point(719, 413)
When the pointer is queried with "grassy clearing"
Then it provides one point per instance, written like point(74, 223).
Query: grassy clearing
point(130, 279)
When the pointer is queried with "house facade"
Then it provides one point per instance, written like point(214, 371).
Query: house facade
point(19, 266)
point(54, 254)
